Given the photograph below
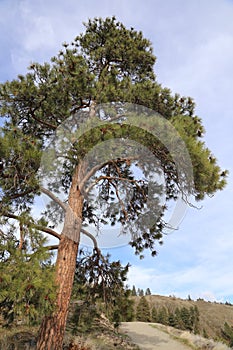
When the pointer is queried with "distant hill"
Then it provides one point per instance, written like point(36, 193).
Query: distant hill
point(212, 315)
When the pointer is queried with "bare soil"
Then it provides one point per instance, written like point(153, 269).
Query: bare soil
point(149, 338)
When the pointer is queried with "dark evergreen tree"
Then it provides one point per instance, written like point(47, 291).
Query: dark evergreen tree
point(154, 315)
point(194, 319)
point(227, 333)
point(82, 317)
point(186, 318)
point(126, 307)
point(179, 321)
point(148, 292)
point(140, 292)
point(134, 292)
point(106, 63)
point(143, 310)
point(172, 320)
point(163, 315)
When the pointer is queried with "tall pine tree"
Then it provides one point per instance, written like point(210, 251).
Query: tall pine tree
point(108, 62)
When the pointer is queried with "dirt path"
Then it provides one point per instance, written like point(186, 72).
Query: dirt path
point(150, 338)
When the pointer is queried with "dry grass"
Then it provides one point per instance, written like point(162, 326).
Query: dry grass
point(20, 338)
point(195, 342)
point(79, 345)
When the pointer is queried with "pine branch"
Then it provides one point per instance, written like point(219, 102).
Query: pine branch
point(18, 195)
point(43, 122)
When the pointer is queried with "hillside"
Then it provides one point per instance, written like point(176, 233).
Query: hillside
point(212, 315)
point(153, 336)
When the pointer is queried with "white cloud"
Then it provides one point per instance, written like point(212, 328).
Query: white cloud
point(195, 281)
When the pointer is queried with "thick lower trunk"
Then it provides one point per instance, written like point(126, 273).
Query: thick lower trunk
point(52, 329)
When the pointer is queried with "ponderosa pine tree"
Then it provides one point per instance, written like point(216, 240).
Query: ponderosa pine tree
point(106, 63)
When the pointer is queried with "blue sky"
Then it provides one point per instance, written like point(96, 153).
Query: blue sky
point(193, 42)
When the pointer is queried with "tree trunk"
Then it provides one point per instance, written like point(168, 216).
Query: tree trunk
point(52, 329)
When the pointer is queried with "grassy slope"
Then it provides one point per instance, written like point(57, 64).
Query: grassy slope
point(212, 315)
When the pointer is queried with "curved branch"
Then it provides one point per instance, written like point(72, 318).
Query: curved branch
point(47, 230)
point(88, 234)
point(54, 198)
point(91, 173)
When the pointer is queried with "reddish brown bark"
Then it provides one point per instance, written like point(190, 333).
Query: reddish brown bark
point(52, 329)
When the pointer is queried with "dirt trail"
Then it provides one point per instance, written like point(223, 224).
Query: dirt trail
point(150, 338)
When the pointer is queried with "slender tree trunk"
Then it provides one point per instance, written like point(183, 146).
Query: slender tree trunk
point(52, 329)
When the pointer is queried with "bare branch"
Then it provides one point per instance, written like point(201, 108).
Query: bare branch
point(109, 178)
point(100, 166)
point(88, 234)
point(54, 198)
point(52, 247)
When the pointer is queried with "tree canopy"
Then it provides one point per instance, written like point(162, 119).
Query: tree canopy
point(107, 63)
